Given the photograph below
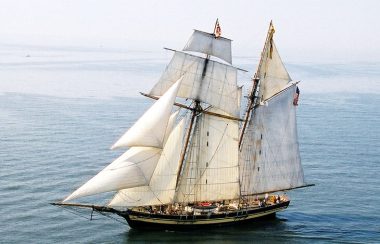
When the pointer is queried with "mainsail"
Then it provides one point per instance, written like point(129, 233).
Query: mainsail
point(269, 158)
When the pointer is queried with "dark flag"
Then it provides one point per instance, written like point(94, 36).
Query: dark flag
point(296, 96)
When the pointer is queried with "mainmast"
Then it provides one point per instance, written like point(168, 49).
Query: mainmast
point(269, 156)
point(256, 79)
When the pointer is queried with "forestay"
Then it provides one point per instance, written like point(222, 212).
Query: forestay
point(161, 188)
point(270, 158)
point(207, 43)
point(215, 84)
point(211, 167)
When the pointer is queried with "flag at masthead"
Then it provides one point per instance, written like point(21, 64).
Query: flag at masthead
point(217, 29)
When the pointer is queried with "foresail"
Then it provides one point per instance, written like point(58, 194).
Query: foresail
point(149, 130)
point(203, 80)
point(134, 168)
point(211, 167)
point(162, 185)
point(269, 157)
point(207, 43)
point(271, 71)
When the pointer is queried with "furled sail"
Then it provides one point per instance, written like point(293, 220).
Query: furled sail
point(271, 72)
point(269, 157)
point(203, 80)
point(211, 168)
point(207, 43)
point(163, 182)
point(149, 130)
point(134, 168)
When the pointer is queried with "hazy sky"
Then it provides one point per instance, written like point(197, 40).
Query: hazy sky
point(304, 28)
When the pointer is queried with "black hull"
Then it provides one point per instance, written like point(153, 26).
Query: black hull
point(146, 221)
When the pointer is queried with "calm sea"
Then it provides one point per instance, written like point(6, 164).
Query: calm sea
point(61, 109)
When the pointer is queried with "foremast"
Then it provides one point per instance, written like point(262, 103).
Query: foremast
point(214, 130)
point(187, 139)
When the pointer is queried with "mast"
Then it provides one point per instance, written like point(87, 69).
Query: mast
point(269, 158)
point(196, 107)
point(256, 79)
point(211, 160)
point(183, 153)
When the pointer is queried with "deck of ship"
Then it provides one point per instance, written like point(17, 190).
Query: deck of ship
point(147, 220)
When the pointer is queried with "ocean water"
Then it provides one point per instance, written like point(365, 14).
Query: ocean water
point(61, 109)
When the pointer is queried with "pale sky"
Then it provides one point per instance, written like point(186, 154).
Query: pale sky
point(304, 28)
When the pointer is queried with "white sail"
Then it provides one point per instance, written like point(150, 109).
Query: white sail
point(215, 84)
point(134, 168)
point(272, 73)
point(211, 167)
point(207, 43)
point(270, 158)
point(162, 185)
point(149, 130)
point(171, 123)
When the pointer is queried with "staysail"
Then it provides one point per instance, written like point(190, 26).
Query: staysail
point(269, 157)
point(171, 125)
point(149, 130)
point(161, 188)
point(133, 168)
point(136, 166)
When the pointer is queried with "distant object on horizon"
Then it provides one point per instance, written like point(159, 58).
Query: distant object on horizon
point(191, 160)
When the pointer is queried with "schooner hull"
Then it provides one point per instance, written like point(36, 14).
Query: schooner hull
point(139, 220)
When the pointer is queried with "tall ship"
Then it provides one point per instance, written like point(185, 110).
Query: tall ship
point(197, 157)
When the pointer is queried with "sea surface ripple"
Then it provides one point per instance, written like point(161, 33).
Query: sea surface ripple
point(52, 144)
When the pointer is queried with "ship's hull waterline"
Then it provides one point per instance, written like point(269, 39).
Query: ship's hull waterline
point(142, 220)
